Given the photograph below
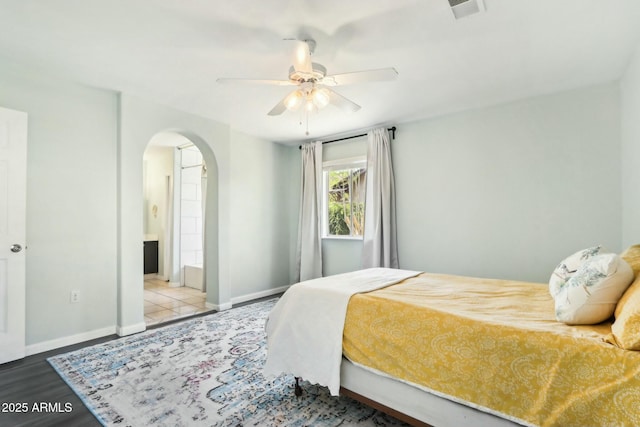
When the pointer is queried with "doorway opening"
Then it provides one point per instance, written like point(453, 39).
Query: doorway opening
point(175, 183)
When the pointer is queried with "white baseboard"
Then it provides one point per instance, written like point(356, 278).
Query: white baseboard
point(131, 329)
point(245, 298)
point(138, 327)
point(218, 307)
point(256, 295)
point(41, 347)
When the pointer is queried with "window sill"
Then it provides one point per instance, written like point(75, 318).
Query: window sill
point(342, 238)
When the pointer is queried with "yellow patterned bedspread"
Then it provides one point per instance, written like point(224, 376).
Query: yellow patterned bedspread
point(496, 346)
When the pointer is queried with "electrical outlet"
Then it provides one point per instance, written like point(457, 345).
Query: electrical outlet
point(75, 296)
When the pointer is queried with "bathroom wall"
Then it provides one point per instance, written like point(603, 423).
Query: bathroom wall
point(191, 207)
point(158, 165)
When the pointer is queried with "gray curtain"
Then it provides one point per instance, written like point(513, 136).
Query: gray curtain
point(380, 248)
point(309, 250)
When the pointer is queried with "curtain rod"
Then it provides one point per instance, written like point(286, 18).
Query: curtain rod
point(391, 129)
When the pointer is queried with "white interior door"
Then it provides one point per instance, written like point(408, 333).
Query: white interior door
point(13, 189)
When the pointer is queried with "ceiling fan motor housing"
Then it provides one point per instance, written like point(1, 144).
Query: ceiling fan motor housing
point(316, 75)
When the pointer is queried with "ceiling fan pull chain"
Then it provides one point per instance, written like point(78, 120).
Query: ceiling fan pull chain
point(307, 116)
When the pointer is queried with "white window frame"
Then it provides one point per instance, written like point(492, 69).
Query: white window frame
point(332, 165)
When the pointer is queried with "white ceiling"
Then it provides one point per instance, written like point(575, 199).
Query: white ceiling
point(172, 52)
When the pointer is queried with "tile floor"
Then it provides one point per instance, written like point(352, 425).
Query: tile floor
point(162, 303)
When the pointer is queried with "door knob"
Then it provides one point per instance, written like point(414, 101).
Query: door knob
point(16, 248)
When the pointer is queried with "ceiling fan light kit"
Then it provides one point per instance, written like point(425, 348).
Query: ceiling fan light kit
point(309, 95)
point(320, 97)
point(312, 81)
point(293, 101)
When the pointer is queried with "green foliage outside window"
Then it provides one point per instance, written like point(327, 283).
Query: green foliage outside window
point(346, 202)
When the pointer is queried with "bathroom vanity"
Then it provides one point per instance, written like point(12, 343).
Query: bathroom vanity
point(150, 253)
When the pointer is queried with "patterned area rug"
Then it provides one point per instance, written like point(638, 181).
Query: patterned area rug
point(205, 371)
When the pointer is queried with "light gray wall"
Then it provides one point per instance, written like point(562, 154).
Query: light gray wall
point(505, 191)
point(509, 191)
point(85, 205)
point(341, 255)
point(71, 203)
point(630, 94)
point(247, 201)
point(140, 120)
point(344, 149)
point(259, 221)
point(502, 192)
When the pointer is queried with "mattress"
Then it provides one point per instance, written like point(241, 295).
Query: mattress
point(494, 345)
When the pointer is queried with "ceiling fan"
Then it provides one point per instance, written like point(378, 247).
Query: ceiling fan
point(313, 83)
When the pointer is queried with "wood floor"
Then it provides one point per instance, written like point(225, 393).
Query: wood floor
point(32, 381)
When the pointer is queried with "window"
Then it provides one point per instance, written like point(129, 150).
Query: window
point(344, 190)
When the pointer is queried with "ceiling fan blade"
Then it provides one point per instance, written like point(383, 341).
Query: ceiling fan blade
point(290, 102)
point(382, 74)
point(278, 109)
point(302, 57)
point(257, 81)
point(341, 102)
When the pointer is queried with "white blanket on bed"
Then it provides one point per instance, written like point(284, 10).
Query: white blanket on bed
point(304, 329)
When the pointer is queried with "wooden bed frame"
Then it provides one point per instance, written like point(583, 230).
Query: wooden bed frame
point(409, 403)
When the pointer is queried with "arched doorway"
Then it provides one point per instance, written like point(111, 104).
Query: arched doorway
point(175, 186)
point(140, 120)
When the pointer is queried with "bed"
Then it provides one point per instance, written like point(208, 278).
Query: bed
point(448, 350)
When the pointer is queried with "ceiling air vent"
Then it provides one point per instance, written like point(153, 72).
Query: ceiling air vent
point(462, 8)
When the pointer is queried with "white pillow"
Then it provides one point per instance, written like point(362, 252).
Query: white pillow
point(568, 267)
point(591, 294)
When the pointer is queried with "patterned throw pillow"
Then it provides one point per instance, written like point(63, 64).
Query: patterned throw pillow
point(632, 256)
point(625, 331)
point(568, 268)
point(591, 294)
